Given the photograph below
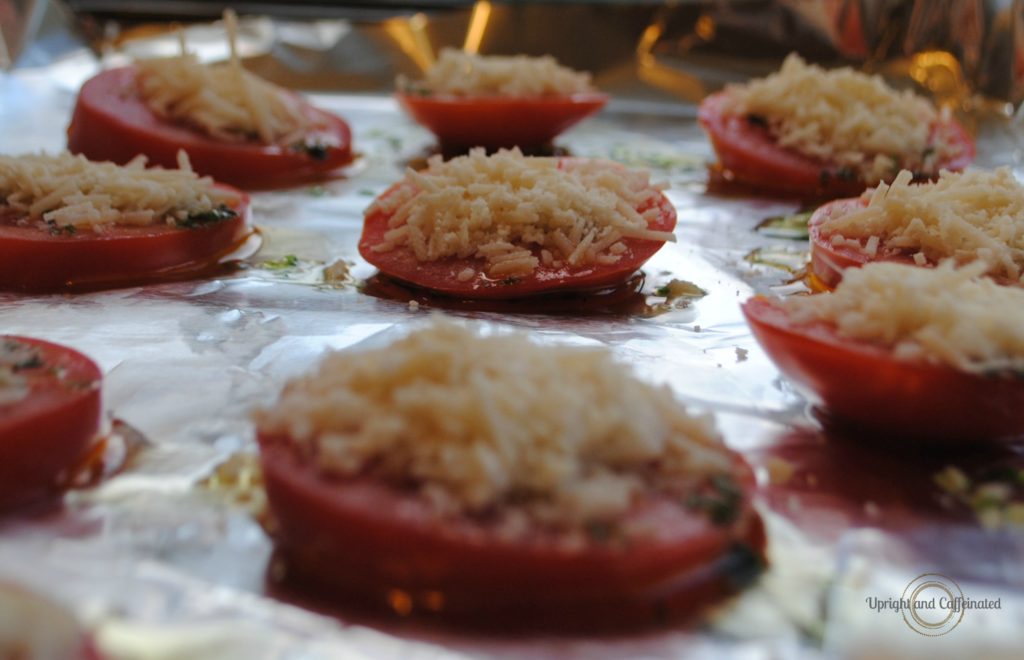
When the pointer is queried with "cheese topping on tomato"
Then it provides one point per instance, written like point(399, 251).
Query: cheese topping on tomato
point(457, 73)
point(966, 216)
point(517, 213)
point(224, 100)
point(66, 193)
point(843, 118)
point(477, 422)
point(944, 315)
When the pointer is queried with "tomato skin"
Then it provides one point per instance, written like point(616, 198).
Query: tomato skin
point(442, 276)
point(496, 122)
point(361, 539)
point(865, 387)
point(46, 433)
point(752, 156)
point(829, 261)
point(33, 259)
point(111, 122)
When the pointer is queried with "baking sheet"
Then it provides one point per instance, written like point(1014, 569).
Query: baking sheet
point(163, 563)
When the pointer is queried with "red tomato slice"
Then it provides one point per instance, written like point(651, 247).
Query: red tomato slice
point(363, 541)
point(34, 259)
point(111, 122)
point(865, 387)
point(752, 157)
point(829, 261)
point(496, 122)
point(46, 433)
point(442, 276)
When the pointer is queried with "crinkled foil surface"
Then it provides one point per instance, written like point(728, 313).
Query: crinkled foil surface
point(166, 559)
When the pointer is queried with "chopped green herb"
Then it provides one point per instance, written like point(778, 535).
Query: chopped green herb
point(793, 226)
point(33, 362)
point(721, 501)
point(61, 230)
point(285, 262)
point(222, 212)
point(680, 289)
point(315, 150)
point(786, 260)
point(316, 191)
point(846, 174)
point(757, 120)
point(742, 565)
point(994, 496)
point(628, 155)
point(600, 531)
point(366, 192)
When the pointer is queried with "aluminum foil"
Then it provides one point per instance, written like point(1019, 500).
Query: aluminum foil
point(166, 558)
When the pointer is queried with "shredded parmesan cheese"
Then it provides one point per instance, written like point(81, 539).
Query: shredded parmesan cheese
point(843, 118)
point(66, 191)
point(224, 100)
point(457, 73)
point(564, 434)
point(517, 213)
point(968, 216)
point(943, 314)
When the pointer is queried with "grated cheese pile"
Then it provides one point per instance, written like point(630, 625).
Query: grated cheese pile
point(518, 213)
point(945, 314)
point(67, 191)
point(224, 101)
point(843, 118)
point(563, 435)
point(972, 215)
point(457, 73)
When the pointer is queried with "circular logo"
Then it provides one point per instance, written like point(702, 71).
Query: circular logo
point(933, 604)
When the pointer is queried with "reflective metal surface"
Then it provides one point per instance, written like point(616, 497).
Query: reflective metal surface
point(166, 559)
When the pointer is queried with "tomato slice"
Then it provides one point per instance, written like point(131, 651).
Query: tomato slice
point(497, 122)
point(829, 261)
point(442, 276)
point(865, 387)
point(362, 541)
point(111, 122)
point(751, 156)
point(45, 433)
point(34, 259)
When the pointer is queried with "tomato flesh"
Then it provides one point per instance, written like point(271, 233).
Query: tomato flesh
point(35, 259)
point(363, 540)
point(442, 276)
point(111, 122)
point(46, 433)
point(497, 122)
point(863, 386)
point(751, 156)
